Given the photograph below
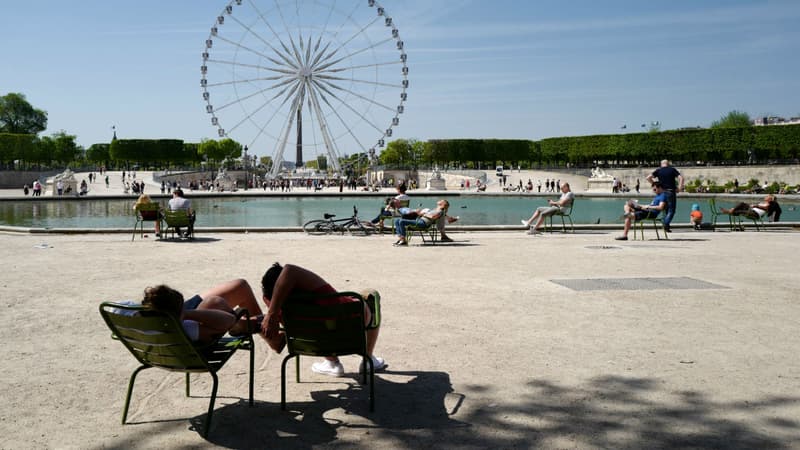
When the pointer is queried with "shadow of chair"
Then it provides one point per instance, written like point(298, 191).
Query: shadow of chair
point(178, 219)
point(157, 339)
point(562, 213)
point(314, 328)
point(148, 212)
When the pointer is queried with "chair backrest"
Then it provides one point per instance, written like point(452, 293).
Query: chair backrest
point(177, 218)
point(148, 211)
point(154, 338)
point(403, 203)
point(317, 329)
point(712, 206)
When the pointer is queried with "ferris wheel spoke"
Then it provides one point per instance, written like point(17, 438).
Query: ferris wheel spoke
point(366, 99)
point(346, 105)
point(247, 81)
point(275, 34)
point(358, 33)
point(255, 52)
point(350, 55)
point(260, 38)
point(356, 80)
point(252, 66)
point(261, 91)
point(362, 66)
point(347, 127)
point(296, 53)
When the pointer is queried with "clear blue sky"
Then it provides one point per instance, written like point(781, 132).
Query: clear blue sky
point(499, 69)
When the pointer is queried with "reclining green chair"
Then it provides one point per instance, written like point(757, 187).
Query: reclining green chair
point(329, 330)
point(157, 339)
point(735, 220)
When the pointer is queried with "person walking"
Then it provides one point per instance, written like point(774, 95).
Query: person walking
point(672, 182)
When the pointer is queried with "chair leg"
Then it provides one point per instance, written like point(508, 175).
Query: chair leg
point(371, 385)
point(210, 404)
point(283, 381)
point(252, 366)
point(130, 391)
point(188, 383)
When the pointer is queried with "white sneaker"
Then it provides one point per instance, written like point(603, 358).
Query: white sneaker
point(525, 222)
point(329, 368)
point(535, 232)
point(377, 363)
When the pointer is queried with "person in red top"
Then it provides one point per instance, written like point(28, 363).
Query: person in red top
point(279, 283)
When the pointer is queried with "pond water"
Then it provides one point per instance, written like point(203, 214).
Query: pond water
point(245, 212)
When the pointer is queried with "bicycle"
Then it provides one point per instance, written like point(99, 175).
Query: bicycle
point(327, 225)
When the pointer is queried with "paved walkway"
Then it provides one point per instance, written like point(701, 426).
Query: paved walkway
point(116, 186)
point(500, 340)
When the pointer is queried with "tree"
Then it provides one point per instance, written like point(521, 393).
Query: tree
point(99, 153)
point(734, 119)
point(230, 149)
point(17, 116)
point(65, 148)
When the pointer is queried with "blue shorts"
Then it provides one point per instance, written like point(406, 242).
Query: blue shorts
point(192, 303)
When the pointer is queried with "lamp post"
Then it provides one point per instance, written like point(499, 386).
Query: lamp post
point(245, 167)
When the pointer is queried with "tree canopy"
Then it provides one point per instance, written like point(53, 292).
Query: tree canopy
point(734, 119)
point(17, 116)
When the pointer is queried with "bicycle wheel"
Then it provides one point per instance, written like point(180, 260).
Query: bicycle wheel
point(356, 228)
point(318, 227)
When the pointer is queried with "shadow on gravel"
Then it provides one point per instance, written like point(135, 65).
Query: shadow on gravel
point(421, 410)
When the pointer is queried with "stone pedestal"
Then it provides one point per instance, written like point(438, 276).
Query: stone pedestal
point(436, 184)
point(600, 185)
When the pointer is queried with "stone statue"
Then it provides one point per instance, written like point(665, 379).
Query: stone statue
point(600, 174)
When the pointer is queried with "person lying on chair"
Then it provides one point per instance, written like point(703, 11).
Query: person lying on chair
point(422, 218)
point(633, 211)
point(279, 284)
point(206, 317)
point(752, 210)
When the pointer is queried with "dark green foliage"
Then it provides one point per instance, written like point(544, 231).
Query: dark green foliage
point(17, 116)
point(147, 151)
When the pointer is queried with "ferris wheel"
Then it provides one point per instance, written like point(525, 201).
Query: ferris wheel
point(322, 78)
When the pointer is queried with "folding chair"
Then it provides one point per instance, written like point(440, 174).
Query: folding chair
point(157, 339)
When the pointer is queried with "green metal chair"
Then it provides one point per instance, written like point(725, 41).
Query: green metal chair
point(148, 212)
point(735, 220)
point(157, 339)
point(178, 219)
point(428, 233)
point(395, 215)
point(562, 213)
point(639, 224)
point(328, 330)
